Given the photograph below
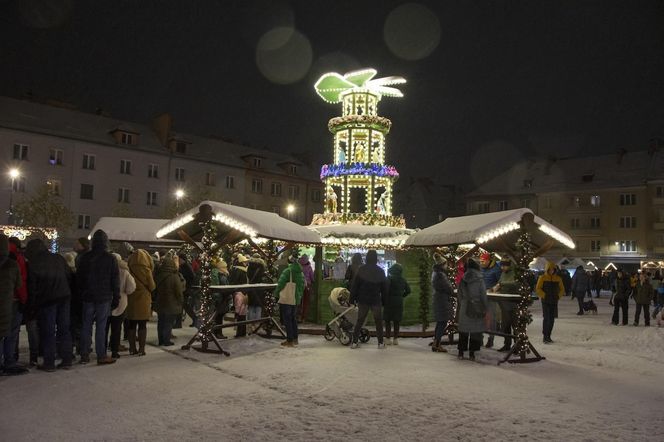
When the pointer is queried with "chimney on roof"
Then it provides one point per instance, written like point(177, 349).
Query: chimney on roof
point(621, 153)
point(162, 125)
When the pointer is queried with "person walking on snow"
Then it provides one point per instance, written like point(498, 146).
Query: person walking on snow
point(580, 286)
point(643, 295)
point(473, 308)
point(393, 310)
point(442, 291)
point(621, 298)
point(549, 289)
point(292, 273)
point(369, 291)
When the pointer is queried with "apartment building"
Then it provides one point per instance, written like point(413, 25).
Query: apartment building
point(102, 166)
point(612, 205)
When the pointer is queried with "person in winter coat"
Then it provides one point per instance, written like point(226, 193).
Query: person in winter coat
point(643, 296)
point(580, 286)
point(398, 289)
point(238, 275)
point(442, 292)
point(190, 293)
point(567, 280)
point(139, 304)
point(293, 273)
point(369, 291)
point(308, 272)
point(352, 269)
point(219, 276)
point(81, 247)
point(10, 349)
point(10, 282)
point(491, 275)
point(98, 284)
point(549, 289)
point(114, 325)
point(257, 274)
point(49, 295)
point(29, 315)
point(170, 296)
point(473, 307)
point(507, 285)
point(621, 298)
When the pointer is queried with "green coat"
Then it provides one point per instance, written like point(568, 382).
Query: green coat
point(170, 288)
point(10, 280)
point(398, 289)
point(298, 279)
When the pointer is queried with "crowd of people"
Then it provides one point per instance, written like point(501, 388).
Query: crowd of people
point(61, 299)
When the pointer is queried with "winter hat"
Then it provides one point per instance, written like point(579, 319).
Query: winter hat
point(438, 258)
point(472, 264)
point(4, 245)
point(84, 242)
point(304, 260)
point(221, 265)
point(485, 256)
point(241, 259)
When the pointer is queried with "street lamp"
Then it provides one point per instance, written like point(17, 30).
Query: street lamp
point(289, 210)
point(13, 174)
point(179, 194)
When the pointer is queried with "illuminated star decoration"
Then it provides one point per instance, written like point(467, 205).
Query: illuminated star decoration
point(332, 85)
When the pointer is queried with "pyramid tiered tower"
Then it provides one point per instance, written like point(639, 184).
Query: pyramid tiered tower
point(358, 183)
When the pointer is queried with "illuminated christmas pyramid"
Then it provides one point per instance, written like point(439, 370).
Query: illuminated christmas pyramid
point(358, 183)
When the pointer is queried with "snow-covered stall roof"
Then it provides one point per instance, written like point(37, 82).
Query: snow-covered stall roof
point(131, 229)
point(483, 228)
point(238, 223)
point(573, 263)
point(361, 235)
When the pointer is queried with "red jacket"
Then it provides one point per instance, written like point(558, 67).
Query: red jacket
point(21, 293)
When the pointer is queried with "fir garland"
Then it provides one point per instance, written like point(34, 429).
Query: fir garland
point(207, 303)
point(425, 264)
point(450, 257)
point(523, 317)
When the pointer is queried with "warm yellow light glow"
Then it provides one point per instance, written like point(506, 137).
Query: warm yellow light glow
point(179, 193)
point(14, 173)
point(290, 208)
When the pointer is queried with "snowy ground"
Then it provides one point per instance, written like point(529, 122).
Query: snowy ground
point(598, 382)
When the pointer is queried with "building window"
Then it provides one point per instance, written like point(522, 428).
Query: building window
point(153, 170)
point(627, 222)
point(594, 246)
point(293, 192)
point(548, 202)
point(627, 246)
point(528, 184)
point(257, 185)
point(18, 184)
point(123, 195)
point(576, 201)
point(89, 161)
point(179, 174)
point(87, 191)
point(257, 162)
point(209, 179)
point(180, 147)
point(230, 182)
point(84, 222)
point(659, 191)
point(594, 222)
point(126, 138)
point(125, 167)
point(20, 152)
point(315, 195)
point(54, 187)
point(575, 223)
point(276, 209)
point(525, 203)
point(502, 205)
point(588, 178)
point(292, 169)
point(483, 207)
point(627, 199)
point(55, 156)
point(275, 189)
point(595, 200)
point(152, 199)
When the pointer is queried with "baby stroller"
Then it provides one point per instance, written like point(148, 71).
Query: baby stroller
point(341, 327)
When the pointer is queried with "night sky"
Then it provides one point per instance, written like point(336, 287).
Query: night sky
point(488, 81)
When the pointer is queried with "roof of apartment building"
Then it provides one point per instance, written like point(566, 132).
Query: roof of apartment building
point(621, 169)
point(66, 122)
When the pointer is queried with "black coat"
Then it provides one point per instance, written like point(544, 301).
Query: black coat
point(98, 274)
point(442, 291)
point(48, 275)
point(256, 274)
point(369, 285)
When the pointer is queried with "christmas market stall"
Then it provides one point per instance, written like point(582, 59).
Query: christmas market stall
point(25, 233)
point(517, 234)
point(218, 225)
point(139, 232)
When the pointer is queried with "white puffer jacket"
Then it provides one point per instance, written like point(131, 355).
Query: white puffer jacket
point(127, 286)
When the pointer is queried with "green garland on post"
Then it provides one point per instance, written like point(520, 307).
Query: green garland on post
point(207, 303)
point(450, 256)
point(424, 265)
point(523, 317)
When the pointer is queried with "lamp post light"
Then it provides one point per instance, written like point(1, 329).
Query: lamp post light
point(290, 209)
point(13, 174)
point(179, 194)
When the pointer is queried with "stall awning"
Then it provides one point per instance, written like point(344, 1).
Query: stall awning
point(358, 235)
point(131, 229)
point(235, 223)
point(486, 228)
